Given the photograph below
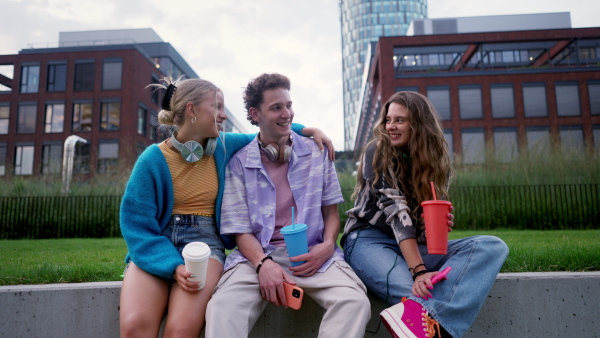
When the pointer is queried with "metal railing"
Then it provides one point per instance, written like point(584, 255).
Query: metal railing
point(532, 207)
point(536, 207)
point(59, 217)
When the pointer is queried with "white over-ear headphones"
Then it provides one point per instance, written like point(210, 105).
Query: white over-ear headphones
point(274, 153)
point(193, 151)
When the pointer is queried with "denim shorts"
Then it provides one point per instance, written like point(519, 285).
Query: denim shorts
point(183, 229)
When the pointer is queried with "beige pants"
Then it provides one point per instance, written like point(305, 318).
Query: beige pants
point(237, 304)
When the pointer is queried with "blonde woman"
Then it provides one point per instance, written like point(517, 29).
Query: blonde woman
point(173, 197)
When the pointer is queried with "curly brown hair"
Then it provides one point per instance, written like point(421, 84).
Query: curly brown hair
point(429, 160)
point(253, 94)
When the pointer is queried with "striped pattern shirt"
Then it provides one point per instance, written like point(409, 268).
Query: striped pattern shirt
point(249, 201)
point(195, 185)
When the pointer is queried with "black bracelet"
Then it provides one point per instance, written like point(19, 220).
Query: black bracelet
point(413, 269)
point(261, 263)
point(417, 274)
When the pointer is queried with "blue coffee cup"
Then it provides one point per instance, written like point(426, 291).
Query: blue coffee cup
point(296, 240)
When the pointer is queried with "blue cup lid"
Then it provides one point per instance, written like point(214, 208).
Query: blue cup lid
point(292, 229)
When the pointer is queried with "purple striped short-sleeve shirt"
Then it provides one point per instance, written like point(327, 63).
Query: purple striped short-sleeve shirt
point(249, 198)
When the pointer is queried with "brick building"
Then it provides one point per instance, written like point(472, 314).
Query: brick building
point(510, 92)
point(92, 85)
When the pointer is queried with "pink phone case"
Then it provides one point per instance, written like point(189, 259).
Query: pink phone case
point(293, 295)
point(440, 276)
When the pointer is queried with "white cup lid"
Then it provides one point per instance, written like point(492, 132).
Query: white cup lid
point(196, 251)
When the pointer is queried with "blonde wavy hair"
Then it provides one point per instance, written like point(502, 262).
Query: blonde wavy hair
point(428, 158)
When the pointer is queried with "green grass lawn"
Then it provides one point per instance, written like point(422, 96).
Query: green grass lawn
point(95, 260)
point(44, 261)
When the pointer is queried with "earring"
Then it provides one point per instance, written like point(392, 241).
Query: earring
point(194, 119)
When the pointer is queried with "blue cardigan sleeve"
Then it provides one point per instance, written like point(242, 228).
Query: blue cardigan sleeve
point(145, 210)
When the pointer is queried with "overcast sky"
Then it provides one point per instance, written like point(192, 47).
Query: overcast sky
point(230, 41)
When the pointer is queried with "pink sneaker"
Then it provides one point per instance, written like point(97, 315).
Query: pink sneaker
point(408, 319)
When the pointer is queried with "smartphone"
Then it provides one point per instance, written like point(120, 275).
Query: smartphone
point(440, 276)
point(293, 295)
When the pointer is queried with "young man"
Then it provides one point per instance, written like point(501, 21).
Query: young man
point(264, 180)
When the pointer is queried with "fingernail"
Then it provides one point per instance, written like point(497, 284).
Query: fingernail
point(192, 276)
point(430, 287)
point(417, 296)
point(322, 151)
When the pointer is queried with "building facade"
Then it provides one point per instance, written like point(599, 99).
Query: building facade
point(93, 86)
point(363, 22)
point(511, 92)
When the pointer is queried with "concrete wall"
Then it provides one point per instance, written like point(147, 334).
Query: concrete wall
point(547, 304)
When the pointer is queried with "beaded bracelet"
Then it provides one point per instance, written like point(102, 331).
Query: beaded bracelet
point(261, 263)
point(413, 269)
point(417, 274)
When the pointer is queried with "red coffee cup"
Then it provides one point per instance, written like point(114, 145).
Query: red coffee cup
point(435, 214)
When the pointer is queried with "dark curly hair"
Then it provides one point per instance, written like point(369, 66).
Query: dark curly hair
point(253, 94)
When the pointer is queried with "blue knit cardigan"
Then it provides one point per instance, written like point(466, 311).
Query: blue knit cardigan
point(147, 206)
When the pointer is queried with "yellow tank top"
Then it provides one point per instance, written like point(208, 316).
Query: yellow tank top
point(195, 185)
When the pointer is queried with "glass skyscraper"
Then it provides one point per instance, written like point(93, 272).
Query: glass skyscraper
point(363, 22)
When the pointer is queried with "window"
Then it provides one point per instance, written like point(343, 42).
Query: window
point(140, 148)
point(84, 75)
point(154, 92)
point(567, 99)
point(571, 139)
point(473, 146)
point(110, 115)
point(23, 160)
point(30, 78)
point(450, 141)
point(2, 159)
point(534, 100)
point(469, 98)
point(141, 125)
point(538, 141)
point(112, 71)
point(168, 67)
point(51, 158)
point(4, 115)
point(503, 103)
point(159, 132)
point(108, 156)
point(81, 159)
point(26, 116)
point(594, 93)
point(440, 98)
point(505, 144)
point(82, 116)
point(8, 71)
point(595, 134)
point(407, 89)
point(57, 77)
point(55, 118)
point(153, 126)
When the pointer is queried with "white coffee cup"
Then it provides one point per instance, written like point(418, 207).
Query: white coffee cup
point(195, 255)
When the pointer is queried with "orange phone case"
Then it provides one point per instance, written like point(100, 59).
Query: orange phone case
point(293, 295)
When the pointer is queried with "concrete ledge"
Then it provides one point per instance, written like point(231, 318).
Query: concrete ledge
point(546, 304)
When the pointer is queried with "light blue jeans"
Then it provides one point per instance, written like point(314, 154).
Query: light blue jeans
point(475, 262)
